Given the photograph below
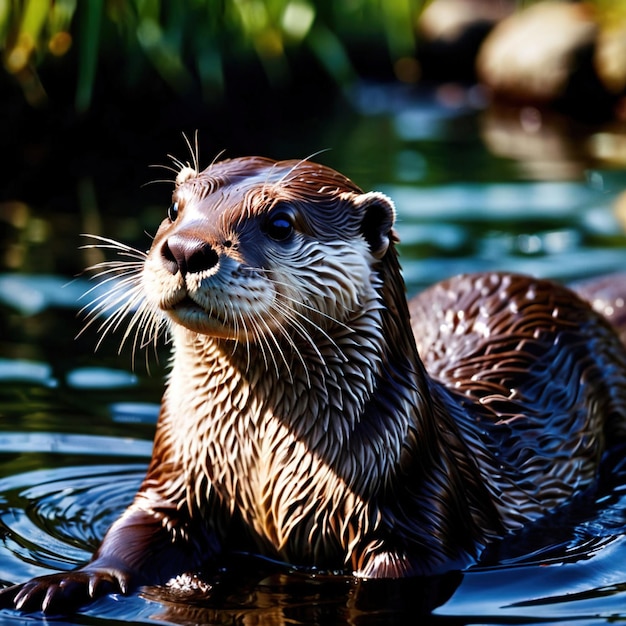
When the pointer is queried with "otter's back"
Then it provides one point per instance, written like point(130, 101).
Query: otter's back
point(542, 378)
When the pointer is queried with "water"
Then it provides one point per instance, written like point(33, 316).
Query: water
point(473, 192)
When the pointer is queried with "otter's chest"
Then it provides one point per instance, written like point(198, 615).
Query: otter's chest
point(286, 493)
point(267, 465)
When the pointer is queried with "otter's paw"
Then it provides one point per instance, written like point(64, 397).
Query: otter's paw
point(64, 592)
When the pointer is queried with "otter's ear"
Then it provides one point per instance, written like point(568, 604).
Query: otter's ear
point(378, 214)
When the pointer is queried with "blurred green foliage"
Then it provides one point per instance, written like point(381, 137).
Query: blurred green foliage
point(612, 13)
point(190, 40)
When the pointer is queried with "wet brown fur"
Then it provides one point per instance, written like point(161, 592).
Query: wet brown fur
point(312, 432)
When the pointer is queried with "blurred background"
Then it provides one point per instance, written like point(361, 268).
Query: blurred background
point(398, 91)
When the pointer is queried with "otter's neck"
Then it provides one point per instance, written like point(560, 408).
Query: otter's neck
point(342, 392)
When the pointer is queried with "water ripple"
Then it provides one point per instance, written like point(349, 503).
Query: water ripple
point(54, 518)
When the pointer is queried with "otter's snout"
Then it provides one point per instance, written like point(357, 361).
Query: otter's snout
point(188, 255)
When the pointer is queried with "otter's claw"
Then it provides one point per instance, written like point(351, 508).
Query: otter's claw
point(64, 592)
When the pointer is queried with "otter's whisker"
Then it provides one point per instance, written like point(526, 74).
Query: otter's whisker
point(299, 356)
point(113, 322)
point(239, 317)
point(261, 343)
point(132, 329)
point(136, 323)
point(300, 301)
point(304, 334)
point(113, 245)
point(127, 284)
point(287, 176)
point(120, 301)
point(140, 327)
point(291, 313)
point(161, 166)
point(124, 301)
point(291, 343)
point(151, 325)
point(157, 181)
point(194, 151)
point(256, 338)
point(115, 267)
point(264, 334)
point(156, 327)
point(217, 157)
point(121, 277)
point(177, 163)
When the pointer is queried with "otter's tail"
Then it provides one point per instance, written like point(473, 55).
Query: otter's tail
point(607, 295)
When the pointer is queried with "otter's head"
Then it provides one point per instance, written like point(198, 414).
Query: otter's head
point(252, 246)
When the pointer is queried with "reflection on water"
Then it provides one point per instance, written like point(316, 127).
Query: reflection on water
point(55, 518)
point(76, 428)
point(557, 230)
point(51, 519)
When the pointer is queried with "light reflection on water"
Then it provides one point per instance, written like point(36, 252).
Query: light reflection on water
point(75, 431)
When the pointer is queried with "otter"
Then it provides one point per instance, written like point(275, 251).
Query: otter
point(313, 416)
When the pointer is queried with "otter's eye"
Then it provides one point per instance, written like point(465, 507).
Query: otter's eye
point(279, 226)
point(172, 212)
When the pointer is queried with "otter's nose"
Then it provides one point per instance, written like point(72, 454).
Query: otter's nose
point(188, 255)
